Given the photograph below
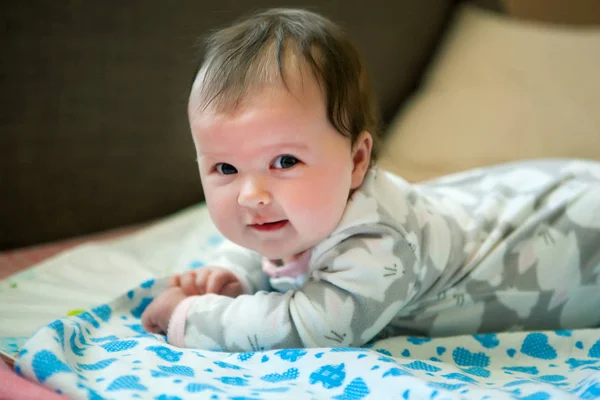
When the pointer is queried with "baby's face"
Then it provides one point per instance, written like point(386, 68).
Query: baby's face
point(275, 173)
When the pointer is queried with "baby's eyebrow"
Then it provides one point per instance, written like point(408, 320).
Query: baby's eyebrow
point(293, 146)
point(273, 148)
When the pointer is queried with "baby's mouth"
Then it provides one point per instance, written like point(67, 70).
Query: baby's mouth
point(269, 226)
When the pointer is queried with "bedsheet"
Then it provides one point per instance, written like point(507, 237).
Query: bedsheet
point(91, 344)
point(105, 353)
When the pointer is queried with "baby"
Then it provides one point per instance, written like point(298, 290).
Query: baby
point(325, 249)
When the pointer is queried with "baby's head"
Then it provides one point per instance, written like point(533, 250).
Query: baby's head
point(283, 121)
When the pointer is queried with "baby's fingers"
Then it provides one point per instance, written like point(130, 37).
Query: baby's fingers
point(148, 322)
point(202, 277)
point(187, 282)
point(217, 281)
point(174, 281)
point(232, 289)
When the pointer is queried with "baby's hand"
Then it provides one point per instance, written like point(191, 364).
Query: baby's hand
point(156, 317)
point(208, 280)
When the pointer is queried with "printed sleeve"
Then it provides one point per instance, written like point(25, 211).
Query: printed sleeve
point(245, 264)
point(356, 289)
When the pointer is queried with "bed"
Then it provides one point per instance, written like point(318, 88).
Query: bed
point(98, 348)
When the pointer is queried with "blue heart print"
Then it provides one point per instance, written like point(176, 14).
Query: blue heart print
point(595, 350)
point(592, 392)
point(459, 377)
point(139, 309)
point(103, 312)
point(330, 376)
point(574, 363)
point(356, 390)
point(120, 345)
point(552, 378)
point(104, 339)
point(78, 351)
point(167, 397)
point(245, 356)
point(45, 364)
point(288, 375)
point(487, 340)
point(201, 387)
point(397, 372)
point(127, 382)
point(165, 353)
point(291, 355)
point(87, 317)
point(563, 333)
point(178, 370)
point(233, 380)
point(422, 366)
point(97, 366)
point(465, 358)
point(225, 365)
point(159, 374)
point(536, 345)
point(348, 350)
point(478, 371)
point(527, 370)
point(148, 284)
point(418, 340)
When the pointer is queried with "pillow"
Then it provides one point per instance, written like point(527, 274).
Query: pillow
point(500, 90)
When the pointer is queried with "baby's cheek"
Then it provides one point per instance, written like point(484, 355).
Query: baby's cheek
point(221, 208)
point(317, 212)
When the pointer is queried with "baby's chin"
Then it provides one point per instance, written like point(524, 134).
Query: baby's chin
point(279, 254)
point(276, 255)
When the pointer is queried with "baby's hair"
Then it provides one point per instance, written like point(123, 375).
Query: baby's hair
point(261, 48)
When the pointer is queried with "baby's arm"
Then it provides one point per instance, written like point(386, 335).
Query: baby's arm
point(239, 272)
point(215, 280)
point(157, 315)
point(359, 288)
point(244, 264)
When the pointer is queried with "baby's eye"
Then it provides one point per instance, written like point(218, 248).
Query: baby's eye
point(285, 161)
point(225, 169)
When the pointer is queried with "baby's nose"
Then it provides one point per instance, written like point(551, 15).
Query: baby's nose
point(254, 194)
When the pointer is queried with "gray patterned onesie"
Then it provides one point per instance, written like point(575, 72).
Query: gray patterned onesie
point(514, 246)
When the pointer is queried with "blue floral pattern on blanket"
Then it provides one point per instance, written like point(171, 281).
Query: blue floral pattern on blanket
point(104, 353)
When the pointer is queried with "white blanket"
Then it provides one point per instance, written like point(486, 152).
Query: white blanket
point(104, 353)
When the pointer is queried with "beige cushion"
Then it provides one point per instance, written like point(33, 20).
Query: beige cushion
point(500, 90)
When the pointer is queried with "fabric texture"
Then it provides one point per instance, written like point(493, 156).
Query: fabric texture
point(500, 90)
point(14, 261)
point(104, 354)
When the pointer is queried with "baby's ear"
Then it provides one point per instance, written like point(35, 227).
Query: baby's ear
point(361, 158)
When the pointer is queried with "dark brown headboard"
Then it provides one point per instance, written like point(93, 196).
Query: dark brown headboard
point(93, 126)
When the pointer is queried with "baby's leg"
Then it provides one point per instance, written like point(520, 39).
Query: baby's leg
point(546, 273)
point(556, 255)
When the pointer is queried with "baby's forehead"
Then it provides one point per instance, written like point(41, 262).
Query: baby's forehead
point(265, 77)
point(268, 96)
